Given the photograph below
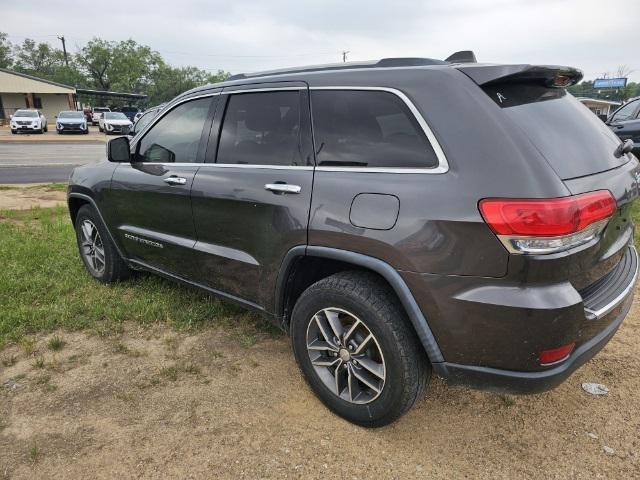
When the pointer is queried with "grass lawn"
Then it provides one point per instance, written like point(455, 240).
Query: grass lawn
point(43, 286)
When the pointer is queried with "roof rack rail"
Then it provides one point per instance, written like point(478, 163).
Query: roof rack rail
point(384, 63)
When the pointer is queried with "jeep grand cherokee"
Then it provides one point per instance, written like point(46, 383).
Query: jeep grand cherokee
point(395, 218)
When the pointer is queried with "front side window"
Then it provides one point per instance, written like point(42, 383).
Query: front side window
point(626, 112)
point(261, 129)
point(144, 120)
point(367, 129)
point(176, 136)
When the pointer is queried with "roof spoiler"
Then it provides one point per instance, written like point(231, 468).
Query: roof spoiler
point(463, 56)
point(550, 75)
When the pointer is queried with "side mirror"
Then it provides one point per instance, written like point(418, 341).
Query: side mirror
point(118, 150)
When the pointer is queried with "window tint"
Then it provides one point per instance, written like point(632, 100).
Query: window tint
point(626, 112)
point(261, 129)
point(367, 129)
point(144, 120)
point(176, 136)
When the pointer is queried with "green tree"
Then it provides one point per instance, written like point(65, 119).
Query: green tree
point(37, 58)
point(122, 66)
point(168, 82)
point(5, 51)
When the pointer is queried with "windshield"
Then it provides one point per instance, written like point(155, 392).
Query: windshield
point(70, 115)
point(115, 116)
point(26, 113)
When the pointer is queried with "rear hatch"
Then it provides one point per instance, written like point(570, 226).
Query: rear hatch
point(577, 145)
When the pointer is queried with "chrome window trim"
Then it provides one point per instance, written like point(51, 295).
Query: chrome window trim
point(258, 90)
point(442, 167)
point(443, 164)
point(135, 139)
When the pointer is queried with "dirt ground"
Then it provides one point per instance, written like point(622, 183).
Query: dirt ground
point(153, 403)
point(22, 197)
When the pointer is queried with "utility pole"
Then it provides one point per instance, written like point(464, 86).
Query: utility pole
point(344, 55)
point(64, 49)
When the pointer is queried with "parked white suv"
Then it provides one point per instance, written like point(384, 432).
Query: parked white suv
point(97, 114)
point(114, 122)
point(28, 120)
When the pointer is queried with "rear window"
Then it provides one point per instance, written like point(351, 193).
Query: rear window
point(573, 140)
point(367, 129)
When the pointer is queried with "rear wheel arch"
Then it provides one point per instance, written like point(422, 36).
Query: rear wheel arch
point(304, 266)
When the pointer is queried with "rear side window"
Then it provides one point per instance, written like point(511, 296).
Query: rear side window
point(367, 129)
point(261, 129)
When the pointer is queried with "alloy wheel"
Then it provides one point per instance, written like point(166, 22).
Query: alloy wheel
point(346, 355)
point(92, 247)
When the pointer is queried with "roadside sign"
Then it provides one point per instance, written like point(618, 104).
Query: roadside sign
point(610, 83)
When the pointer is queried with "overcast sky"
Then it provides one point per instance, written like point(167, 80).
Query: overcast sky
point(244, 36)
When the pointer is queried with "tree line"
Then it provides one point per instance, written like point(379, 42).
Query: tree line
point(120, 66)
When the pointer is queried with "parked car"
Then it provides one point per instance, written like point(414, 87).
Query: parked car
point(114, 122)
point(71, 121)
point(28, 120)
point(130, 112)
point(471, 220)
point(625, 122)
point(97, 114)
point(144, 118)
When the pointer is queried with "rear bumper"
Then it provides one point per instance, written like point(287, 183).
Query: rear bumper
point(493, 379)
point(491, 331)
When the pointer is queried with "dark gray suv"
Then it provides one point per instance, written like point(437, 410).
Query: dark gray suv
point(394, 217)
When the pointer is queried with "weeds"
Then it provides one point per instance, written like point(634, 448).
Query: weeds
point(56, 343)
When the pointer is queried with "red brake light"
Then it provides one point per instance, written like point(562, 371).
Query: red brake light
point(547, 217)
point(555, 355)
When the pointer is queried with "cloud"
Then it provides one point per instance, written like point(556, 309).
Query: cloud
point(254, 35)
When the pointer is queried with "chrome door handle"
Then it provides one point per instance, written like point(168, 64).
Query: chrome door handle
point(282, 188)
point(175, 181)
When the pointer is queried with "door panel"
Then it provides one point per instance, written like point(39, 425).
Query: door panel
point(154, 221)
point(244, 220)
point(151, 196)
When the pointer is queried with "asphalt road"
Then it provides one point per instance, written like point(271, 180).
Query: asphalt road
point(44, 162)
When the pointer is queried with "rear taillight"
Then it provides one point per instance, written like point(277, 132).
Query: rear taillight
point(539, 226)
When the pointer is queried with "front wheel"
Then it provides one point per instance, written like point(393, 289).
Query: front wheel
point(357, 350)
point(98, 252)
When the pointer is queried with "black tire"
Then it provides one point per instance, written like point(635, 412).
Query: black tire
point(86, 131)
point(46, 128)
point(115, 268)
point(100, 129)
point(59, 132)
point(13, 132)
point(371, 301)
